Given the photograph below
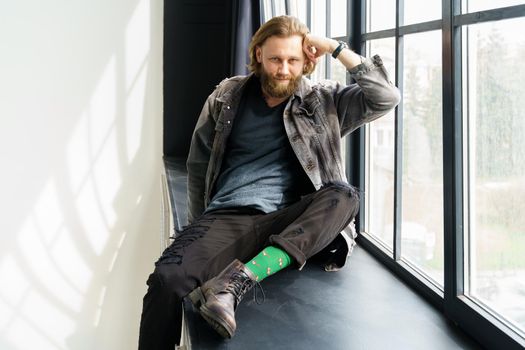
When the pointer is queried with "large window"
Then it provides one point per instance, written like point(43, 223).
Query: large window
point(444, 203)
point(443, 174)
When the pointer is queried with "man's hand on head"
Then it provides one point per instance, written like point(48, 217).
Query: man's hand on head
point(316, 46)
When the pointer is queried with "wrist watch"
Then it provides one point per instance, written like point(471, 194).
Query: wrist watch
point(342, 45)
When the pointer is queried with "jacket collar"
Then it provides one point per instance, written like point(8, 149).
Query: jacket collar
point(304, 89)
point(234, 93)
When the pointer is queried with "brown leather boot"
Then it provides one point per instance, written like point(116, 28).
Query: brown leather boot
point(218, 297)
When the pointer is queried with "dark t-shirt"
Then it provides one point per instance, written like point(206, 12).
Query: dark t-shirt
point(260, 169)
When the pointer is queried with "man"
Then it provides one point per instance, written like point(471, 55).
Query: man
point(266, 182)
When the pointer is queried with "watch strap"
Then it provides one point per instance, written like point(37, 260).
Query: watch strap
point(342, 45)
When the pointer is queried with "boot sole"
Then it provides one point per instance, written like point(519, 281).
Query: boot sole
point(219, 325)
point(198, 300)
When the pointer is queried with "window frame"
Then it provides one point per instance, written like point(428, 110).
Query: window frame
point(486, 327)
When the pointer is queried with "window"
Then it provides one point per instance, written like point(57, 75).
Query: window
point(443, 175)
point(444, 201)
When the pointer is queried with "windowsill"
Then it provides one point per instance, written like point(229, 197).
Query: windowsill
point(363, 306)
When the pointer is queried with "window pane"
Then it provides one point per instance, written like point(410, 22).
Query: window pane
point(298, 9)
point(267, 6)
point(496, 166)
point(417, 11)
point(280, 8)
point(320, 70)
point(318, 18)
point(338, 18)
point(479, 5)
point(319, 28)
point(337, 71)
point(422, 179)
point(380, 162)
point(380, 14)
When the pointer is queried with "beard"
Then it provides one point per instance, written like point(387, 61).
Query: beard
point(272, 86)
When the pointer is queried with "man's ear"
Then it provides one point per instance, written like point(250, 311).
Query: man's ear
point(258, 54)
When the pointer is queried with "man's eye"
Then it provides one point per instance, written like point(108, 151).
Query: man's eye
point(274, 59)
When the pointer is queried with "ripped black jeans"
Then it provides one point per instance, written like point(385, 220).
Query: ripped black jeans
point(214, 240)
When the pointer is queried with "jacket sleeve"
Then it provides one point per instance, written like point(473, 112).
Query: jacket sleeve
point(199, 156)
point(373, 95)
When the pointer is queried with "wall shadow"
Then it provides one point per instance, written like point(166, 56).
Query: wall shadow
point(80, 140)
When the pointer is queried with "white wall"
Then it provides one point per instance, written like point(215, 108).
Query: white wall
point(80, 157)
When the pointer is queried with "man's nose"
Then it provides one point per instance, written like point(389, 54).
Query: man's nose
point(285, 68)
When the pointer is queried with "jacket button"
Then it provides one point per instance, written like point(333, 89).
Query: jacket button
point(310, 166)
point(227, 107)
point(295, 138)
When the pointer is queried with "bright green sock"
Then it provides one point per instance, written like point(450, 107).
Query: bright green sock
point(268, 262)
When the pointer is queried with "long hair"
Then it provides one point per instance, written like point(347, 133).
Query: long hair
point(280, 26)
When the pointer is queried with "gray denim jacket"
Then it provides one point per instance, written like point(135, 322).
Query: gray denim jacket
point(316, 117)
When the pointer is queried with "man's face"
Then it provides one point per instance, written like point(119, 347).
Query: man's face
point(282, 61)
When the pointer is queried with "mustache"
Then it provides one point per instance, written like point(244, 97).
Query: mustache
point(284, 76)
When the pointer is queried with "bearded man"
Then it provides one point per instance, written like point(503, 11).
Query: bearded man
point(266, 180)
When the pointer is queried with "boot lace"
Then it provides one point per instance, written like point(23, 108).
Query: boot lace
point(240, 283)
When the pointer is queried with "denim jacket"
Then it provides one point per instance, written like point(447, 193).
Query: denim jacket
point(316, 117)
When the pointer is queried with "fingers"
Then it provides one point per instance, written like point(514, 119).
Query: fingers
point(320, 44)
point(312, 53)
